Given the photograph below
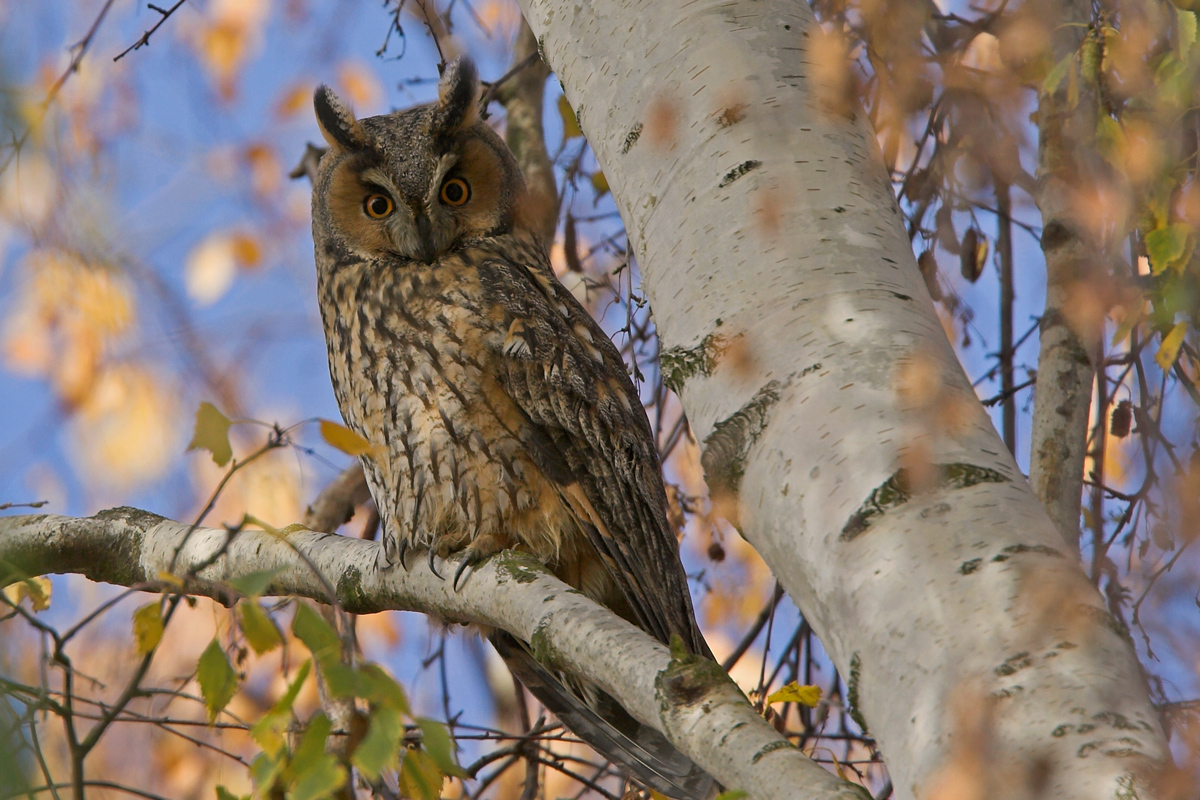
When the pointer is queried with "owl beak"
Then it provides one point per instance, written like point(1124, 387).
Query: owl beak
point(428, 251)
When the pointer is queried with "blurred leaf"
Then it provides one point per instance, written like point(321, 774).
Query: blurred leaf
point(927, 262)
point(974, 254)
point(1185, 32)
point(37, 589)
point(312, 742)
point(253, 584)
point(212, 434)
point(148, 627)
point(218, 681)
point(1167, 246)
point(1089, 59)
point(1169, 351)
point(269, 732)
point(318, 635)
point(380, 748)
point(261, 631)
point(569, 122)
point(225, 794)
point(321, 779)
point(210, 268)
point(264, 771)
point(1110, 140)
point(599, 184)
point(795, 693)
point(1050, 85)
point(1131, 320)
point(440, 746)
point(383, 689)
point(733, 794)
point(344, 439)
point(420, 777)
point(289, 697)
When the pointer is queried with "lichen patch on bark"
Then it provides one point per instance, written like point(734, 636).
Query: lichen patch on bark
point(897, 490)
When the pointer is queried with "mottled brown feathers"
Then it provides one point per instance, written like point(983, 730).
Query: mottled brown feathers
point(501, 414)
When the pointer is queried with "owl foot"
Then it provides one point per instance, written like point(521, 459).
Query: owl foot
point(481, 548)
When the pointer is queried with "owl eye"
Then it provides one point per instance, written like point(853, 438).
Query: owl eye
point(378, 206)
point(455, 192)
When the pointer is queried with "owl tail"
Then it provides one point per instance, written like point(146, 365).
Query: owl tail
point(639, 749)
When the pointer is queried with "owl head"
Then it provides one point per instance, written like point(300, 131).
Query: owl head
point(414, 184)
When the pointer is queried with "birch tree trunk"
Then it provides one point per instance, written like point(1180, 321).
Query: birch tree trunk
point(838, 426)
point(1063, 396)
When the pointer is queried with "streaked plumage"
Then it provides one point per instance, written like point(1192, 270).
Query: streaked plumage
point(500, 413)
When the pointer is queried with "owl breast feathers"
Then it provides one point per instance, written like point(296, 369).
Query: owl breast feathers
point(499, 412)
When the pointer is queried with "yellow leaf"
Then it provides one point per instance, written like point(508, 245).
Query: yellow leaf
point(569, 122)
point(148, 627)
point(795, 693)
point(344, 439)
point(36, 589)
point(1169, 351)
point(599, 184)
point(212, 434)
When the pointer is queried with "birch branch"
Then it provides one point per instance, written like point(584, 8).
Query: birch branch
point(691, 701)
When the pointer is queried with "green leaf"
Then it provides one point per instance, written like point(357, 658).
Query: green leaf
point(344, 439)
point(420, 777)
point(440, 746)
point(261, 632)
point(322, 778)
point(225, 794)
point(733, 794)
point(317, 634)
point(312, 743)
point(342, 680)
point(148, 627)
point(1185, 31)
point(264, 771)
point(382, 689)
point(212, 434)
point(268, 732)
point(569, 122)
point(218, 681)
point(795, 693)
point(1110, 140)
point(1169, 350)
point(253, 584)
point(380, 748)
point(289, 697)
point(1057, 73)
point(1167, 246)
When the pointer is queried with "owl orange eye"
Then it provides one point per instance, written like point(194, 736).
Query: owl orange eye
point(378, 206)
point(455, 192)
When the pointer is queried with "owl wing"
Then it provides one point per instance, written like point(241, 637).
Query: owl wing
point(590, 436)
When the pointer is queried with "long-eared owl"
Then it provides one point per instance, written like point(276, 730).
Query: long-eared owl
point(500, 414)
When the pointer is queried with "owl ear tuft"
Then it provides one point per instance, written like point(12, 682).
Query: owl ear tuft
point(336, 120)
point(458, 97)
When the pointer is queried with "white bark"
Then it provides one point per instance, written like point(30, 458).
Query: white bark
point(791, 309)
point(704, 715)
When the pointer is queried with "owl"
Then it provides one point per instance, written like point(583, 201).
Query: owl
point(499, 412)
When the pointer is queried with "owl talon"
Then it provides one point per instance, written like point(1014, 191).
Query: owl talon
point(467, 563)
point(433, 568)
point(403, 552)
